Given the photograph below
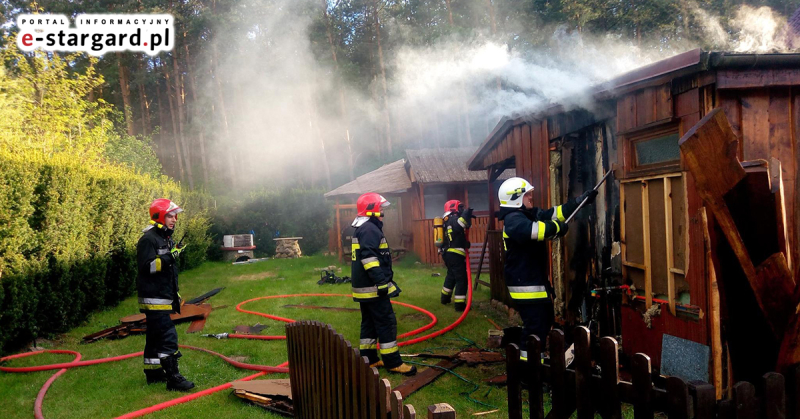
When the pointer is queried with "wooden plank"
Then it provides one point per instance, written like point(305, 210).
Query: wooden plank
point(755, 125)
point(374, 391)
point(610, 405)
point(668, 236)
point(744, 400)
point(558, 368)
point(583, 373)
point(426, 377)
point(774, 395)
point(409, 412)
point(526, 152)
point(715, 329)
point(687, 103)
point(663, 99)
point(355, 371)
point(517, 149)
point(384, 399)
point(703, 395)
point(442, 411)
point(345, 388)
point(397, 405)
point(645, 106)
point(367, 400)
point(642, 387)
point(678, 398)
point(534, 375)
point(648, 272)
point(750, 79)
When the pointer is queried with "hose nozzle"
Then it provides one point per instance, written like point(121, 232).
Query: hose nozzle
point(217, 336)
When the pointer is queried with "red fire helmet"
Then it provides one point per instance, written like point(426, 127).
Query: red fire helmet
point(161, 207)
point(452, 205)
point(370, 204)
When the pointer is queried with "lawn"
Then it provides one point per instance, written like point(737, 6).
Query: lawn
point(113, 389)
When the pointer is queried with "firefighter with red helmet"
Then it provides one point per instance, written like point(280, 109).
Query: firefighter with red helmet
point(454, 253)
point(157, 284)
point(372, 286)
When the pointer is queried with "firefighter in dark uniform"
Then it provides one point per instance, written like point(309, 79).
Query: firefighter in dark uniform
point(454, 253)
point(157, 284)
point(373, 286)
point(526, 230)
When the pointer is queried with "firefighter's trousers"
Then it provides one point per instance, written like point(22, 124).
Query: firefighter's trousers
point(161, 339)
point(379, 325)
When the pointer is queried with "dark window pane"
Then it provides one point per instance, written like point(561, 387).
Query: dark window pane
point(658, 150)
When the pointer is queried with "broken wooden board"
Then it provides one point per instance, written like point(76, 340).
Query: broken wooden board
point(188, 312)
point(249, 330)
point(426, 377)
point(270, 388)
point(203, 298)
point(498, 380)
point(710, 152)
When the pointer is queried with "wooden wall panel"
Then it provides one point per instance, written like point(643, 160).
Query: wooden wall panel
point(794, 196)
point(663, 97)
point(525, 156)
point(755, 124)
point(519, 162)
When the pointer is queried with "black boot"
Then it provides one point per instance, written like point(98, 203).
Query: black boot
point(445, 298)
point(175, 381)
point(460, 307)
point(155, 376)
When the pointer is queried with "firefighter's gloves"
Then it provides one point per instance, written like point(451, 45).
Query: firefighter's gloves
point(383, 289)
point(589, 196)
point(468, 214)
point(563, 228)
point(176, 252)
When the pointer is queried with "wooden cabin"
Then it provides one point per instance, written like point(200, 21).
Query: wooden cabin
point(417, 187)
point(645, 228)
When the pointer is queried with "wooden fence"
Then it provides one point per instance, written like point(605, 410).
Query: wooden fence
point(579, 388)
point(330, 380)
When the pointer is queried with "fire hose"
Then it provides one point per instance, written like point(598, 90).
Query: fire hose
point(263, 369)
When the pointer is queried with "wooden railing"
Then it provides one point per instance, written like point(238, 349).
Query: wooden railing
point(330, 380)
point(580, 389)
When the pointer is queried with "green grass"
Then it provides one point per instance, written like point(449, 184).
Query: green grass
point(113, 389)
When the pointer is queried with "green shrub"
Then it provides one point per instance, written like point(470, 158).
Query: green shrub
point(284, 213)
point(68, 236)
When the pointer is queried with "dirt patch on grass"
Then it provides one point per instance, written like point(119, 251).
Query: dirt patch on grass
point(254, 277)
point(239, 358)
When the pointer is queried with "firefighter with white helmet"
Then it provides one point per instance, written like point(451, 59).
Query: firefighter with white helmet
point(373, 286)
point(157, 284)
point(526, 230)
point(454, 253)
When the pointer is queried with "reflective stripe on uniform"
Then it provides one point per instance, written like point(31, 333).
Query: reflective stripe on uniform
point(389, 347)
point(152, 361)
point(537, 231)
point(162, 251)
point(534, 292)
point(154, 301)
point(558, 214)
point(446, 291)
point(368, 344)
point(370, 262)
point(384, 244)
point(460, 298)
point(156, 304)
point(523, 355)
point(164, 355)
point(457, 250)
point(370, 292)
point(155, 265)
point(462, 222)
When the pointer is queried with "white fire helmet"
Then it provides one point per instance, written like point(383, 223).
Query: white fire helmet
point(512, 191)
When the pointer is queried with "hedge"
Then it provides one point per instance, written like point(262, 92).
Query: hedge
point(285, 213)
point(68, 236)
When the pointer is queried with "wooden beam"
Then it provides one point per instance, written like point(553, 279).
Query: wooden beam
point(648, 274)
point(668, 235)
point(634, 265)
point(714, 319)
point(749, 79)
point(622, 245)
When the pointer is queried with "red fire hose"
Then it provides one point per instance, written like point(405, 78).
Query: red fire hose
point(263, 369)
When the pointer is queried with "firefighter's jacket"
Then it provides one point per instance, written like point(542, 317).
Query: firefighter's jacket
point(455, 237)
point(525, 235)
point(371, 262)
point(157, 279)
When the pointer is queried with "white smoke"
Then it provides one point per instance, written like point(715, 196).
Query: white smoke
point(752, 30)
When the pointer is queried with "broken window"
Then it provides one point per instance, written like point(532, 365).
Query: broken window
point(654, 217)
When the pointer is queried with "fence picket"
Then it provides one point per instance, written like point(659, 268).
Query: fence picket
point(513, 364)
point(583, 373)
point(705, 400)
point(774, 400)
point(397, 405)
point(558, 371)
point(409, 412)
point(678, 399)
point(642, 387)
point(534, 374)
point(744, 401)
point(610, 406)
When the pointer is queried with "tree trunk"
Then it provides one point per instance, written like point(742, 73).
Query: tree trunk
point(383, 79)
point(223, 116)
point(161, 144)
point(180, 103)
point(175, 138)
point(126, 94)
point(449, 13)
point(492, 17)
point(200, 129)
point(145, 105)
point(340, 81)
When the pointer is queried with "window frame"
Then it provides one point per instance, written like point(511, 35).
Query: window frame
point(632, 168)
